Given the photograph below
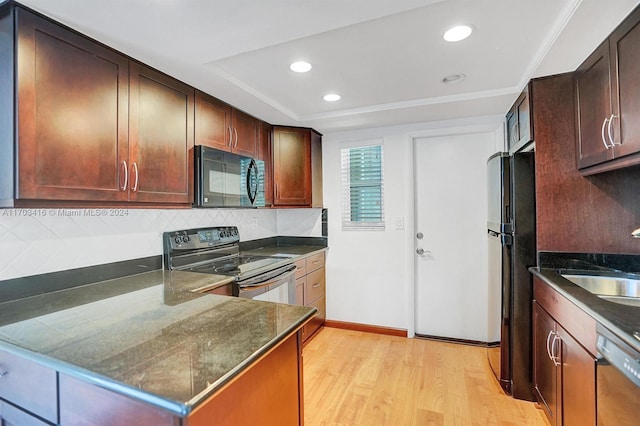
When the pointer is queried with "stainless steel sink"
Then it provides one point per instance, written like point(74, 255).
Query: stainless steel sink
point(623, 290)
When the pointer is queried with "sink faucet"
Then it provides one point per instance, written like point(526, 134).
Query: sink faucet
point(635, 233)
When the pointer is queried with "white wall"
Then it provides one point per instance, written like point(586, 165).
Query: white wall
point(36, 241)
point(370, 275)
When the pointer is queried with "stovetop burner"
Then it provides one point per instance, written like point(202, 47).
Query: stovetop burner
point(238, 265)
point(216, 251)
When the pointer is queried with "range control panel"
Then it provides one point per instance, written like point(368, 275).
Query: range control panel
point(193, 239)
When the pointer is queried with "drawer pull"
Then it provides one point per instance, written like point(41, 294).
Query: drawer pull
point(316, 285)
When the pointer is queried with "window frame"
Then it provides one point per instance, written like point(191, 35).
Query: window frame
point(346, 189)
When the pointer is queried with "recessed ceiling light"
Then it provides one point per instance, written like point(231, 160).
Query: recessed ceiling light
point(331, 97)
point(454, 78)
point(457, 33)
point(300, 66)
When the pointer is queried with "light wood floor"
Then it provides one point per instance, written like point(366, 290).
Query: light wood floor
point(356, 378)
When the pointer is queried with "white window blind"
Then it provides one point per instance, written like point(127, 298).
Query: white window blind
point(362, 188)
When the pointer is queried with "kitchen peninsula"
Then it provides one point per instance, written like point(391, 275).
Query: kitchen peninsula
point(146, 347)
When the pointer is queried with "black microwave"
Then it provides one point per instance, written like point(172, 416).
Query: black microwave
point(224, 179)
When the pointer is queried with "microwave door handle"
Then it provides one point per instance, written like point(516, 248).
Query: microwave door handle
point(252, 191)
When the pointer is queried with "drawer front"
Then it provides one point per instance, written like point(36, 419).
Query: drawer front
point(82, 403)
point(315, 262)
point(29, 385)
point(573, 319)
point(12, 416)
point(315, 286)
point(301, 267)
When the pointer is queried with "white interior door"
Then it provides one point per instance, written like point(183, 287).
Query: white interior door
point(451, 293)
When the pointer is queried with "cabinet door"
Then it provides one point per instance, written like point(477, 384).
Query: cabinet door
point(245, 134)
point(593, 91)
point(73, 112)
point(522, 116)
point(161, 137)
point(264, 154)
point(512, 131)
point(316, 170)
point(291, 167)
point(625, 65)
point(578, 383)
point(545, 370)
point(212, 122)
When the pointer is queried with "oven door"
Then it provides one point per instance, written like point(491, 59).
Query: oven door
point(279, 287)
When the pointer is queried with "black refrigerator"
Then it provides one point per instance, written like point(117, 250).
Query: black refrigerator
point(511, 231)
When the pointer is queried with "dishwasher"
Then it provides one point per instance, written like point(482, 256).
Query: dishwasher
point(617, 380)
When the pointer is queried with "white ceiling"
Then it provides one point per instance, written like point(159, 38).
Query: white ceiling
point(385, 57)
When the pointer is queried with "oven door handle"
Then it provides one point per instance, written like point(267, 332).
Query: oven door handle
point(262, 280)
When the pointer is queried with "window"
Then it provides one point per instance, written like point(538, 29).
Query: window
point(362, 188)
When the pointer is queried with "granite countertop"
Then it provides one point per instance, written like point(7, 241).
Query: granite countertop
point(622, 320)
point(285, 250)
point(148, 336)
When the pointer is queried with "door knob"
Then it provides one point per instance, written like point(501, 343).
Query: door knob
point(421, 251)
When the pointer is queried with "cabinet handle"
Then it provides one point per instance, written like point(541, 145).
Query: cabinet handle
point(555, 358)
point(604, 139)
point(3, 373)
point(548, 345)
point(236, 132)
point(135, 185)
point(316, 285)
point(126, 175)
point(611, 138)
point(230, 137)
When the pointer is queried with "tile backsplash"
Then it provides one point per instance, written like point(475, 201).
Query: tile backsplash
point(37, 241)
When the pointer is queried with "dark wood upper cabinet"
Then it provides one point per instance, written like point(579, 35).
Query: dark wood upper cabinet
point(264, 154)
point(316, 169)
point(220, 126)
point(212, 122)
point(292, 166)
point(72, 103)
point(245, 133)
point(519, 122)
point(160, 137)
point(593, 112)
point(625, 61)
point(608, 108)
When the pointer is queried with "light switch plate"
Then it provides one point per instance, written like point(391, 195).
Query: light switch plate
point(399, 223)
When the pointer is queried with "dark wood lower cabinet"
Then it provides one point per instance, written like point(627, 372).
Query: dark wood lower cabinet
point(578, 382)
point(269, 393)
point(564, 370)
point(82, 403)
point(546, 373)
point(12, 416)
point(29, 385)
